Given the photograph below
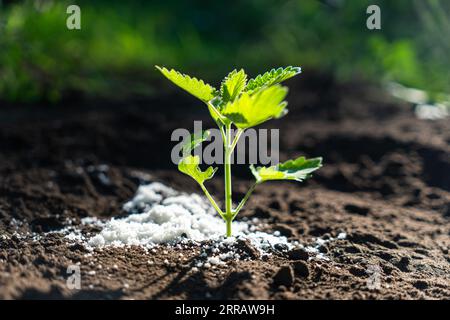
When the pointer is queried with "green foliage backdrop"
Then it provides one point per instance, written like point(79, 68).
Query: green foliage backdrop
point(114, 53)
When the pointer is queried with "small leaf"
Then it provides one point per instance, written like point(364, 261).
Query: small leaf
point(195, 140)
point(232, 85)
point(250, 110)
point(196, 87)
point(298, 169)
point(189, 165)
point(271, 77)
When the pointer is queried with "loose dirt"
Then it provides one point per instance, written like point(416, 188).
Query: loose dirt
point(385, 184)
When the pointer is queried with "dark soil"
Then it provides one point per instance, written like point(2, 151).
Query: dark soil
point(385, 182)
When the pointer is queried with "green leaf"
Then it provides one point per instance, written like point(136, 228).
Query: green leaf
point(250, 110)
point(298, 169)
point(189, 165)
point(195, 140)
point(232, 85)
point(196, 87)
point(271, 77)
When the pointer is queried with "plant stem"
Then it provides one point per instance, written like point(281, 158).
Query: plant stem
point(222, 132)
point(228, 199)
point(211, 199)
point(236, 138)
point(217, 113)
point(244, 200)
point(228, 222)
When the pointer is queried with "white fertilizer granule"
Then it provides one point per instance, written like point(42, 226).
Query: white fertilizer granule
point(160, 214)
point(163, 220)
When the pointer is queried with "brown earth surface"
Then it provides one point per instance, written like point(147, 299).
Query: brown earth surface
point(385, 183)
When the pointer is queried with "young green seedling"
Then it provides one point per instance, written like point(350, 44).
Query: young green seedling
point(242, 104)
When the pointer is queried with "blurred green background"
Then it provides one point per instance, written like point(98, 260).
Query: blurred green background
point(114, 53)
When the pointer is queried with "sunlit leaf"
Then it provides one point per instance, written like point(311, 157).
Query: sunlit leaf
point(250, 110)
point(232, 85)
point(196, 87)
point(271, 77)
point(298, 169)
point(189, 165)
